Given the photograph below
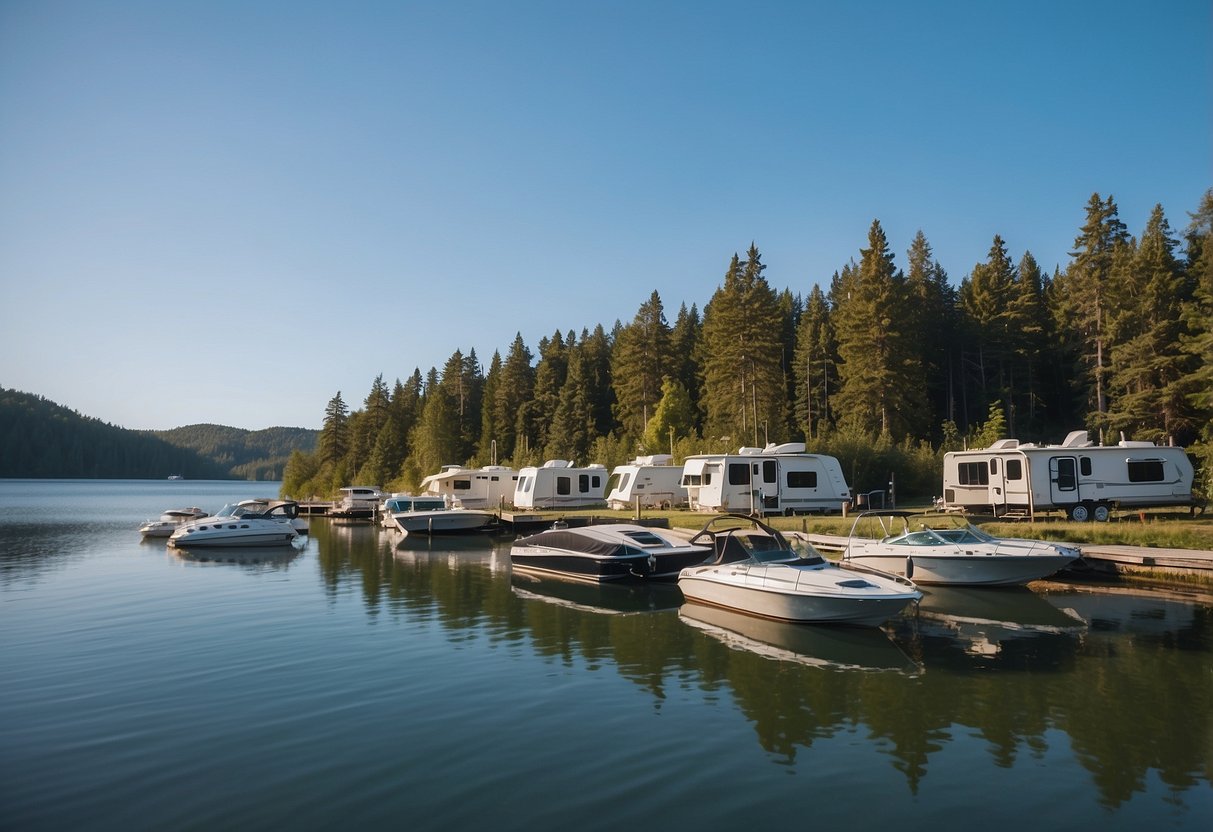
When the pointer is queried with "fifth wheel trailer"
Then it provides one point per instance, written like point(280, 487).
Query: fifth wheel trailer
point(1084, 480)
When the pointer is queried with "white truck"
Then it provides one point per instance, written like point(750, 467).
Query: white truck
point(1084, 480)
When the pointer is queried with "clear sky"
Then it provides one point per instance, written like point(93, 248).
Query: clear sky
point(228, 212)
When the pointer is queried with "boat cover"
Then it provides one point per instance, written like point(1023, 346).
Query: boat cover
point(571, 541)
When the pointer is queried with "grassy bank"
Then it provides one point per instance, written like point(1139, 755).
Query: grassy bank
point(1169, 529)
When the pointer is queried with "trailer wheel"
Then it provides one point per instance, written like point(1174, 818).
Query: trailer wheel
point(1102, 513)
point(1080, 512)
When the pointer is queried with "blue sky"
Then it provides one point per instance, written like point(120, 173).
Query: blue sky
point(229, 211)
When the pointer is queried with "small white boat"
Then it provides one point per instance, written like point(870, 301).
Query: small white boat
point(169, 521)
point(260, 505)
point(434, 515)
point(358, 502)
point(241, 527)
point(944, 549)
point(756, 571)
point(607, 552)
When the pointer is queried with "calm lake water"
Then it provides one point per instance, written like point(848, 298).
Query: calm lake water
point(365, 684)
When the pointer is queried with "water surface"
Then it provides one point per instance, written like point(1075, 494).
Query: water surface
point(365, 682)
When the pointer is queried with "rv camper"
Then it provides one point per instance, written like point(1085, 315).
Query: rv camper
point(481, 488)
point(1084, 480)
point(777, 479)
point(650, 479)
point(557, 484)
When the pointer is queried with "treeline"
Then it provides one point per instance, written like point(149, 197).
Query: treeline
point(39, 438)
point(243, 454)
point(886, 369)
point(42, 439)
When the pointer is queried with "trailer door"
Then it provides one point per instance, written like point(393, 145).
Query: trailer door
point(770, 486)
point(1063, 480)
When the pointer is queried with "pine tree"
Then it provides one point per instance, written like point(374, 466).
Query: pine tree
point(743, 388)
point(815, 365)
point(685, 337)
point(673, 418)
point(880, 376)
point(1148, 366)
point(509, 401)
point(1082, 296)
point(931, 314)
point(333, 443)
point(639, 362)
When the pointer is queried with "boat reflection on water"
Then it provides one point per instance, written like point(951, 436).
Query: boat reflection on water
point(279, 557)
point(984, 621)
point(610, 598)
point(1141, 612)
point(836, 648)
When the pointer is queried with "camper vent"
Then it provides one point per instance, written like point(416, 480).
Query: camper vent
point(1005, 445)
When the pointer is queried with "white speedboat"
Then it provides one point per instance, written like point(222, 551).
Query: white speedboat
point(608, 552)
point(241, 527)
point(946, 549)
point(169, 521)
point(755, 570)
point(260, 505)
point(434, 515)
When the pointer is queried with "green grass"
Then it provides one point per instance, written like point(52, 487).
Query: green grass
point(1162, 528)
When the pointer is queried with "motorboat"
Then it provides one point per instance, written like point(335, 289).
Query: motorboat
point(358, 502)
point(948, 550)
point(755, 570)
point(434, 515)
point(260, 505)
point(169, 521)
point(241, 526)
point(607, 552)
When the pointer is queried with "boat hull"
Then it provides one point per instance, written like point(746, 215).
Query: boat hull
point(964, 570)
point(783, 606)
point(443, 522)
point(275, 534)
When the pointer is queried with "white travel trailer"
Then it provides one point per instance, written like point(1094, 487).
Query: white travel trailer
point(481, 488)
point(777, 479)
point(1084, 480)
point(557, 484)
point(650, 479)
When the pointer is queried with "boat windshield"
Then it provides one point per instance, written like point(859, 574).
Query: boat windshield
point(965, 534)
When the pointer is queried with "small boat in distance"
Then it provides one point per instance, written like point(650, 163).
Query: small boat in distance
point(175, 477)
point(944, 549)
point(755, 570)
point(433, 515)
point(607, 552)
point(169, 521)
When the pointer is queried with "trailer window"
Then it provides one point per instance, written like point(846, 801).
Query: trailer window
point(462, 485)
point(564, 485)
point(802, 479)
point(692, 479)
point(1145, 470)
point(583, 483)
point(769, 471)
point(1014, 469)
point(973, 473)
point(994, 466)
point(1084, 466)
point(739, 473)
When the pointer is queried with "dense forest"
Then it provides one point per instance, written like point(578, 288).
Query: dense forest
point(39, 438)
point(887, 368)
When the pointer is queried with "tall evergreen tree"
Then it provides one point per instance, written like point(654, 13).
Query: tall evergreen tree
point(572, 426)
point(1148, 366)
point(333, 443)
point(880, 374)
point(1197, 314)
point(931, 313)
point(743, 388)
point(1082, 296)
point(988, 297)
point(685, 337)
point(639, 362)
point(596, 355)
point(513, 393)
point(815, 365)
point(486, 447)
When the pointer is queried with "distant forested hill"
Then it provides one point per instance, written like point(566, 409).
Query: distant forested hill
point(39, 438)
point(245, 454)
